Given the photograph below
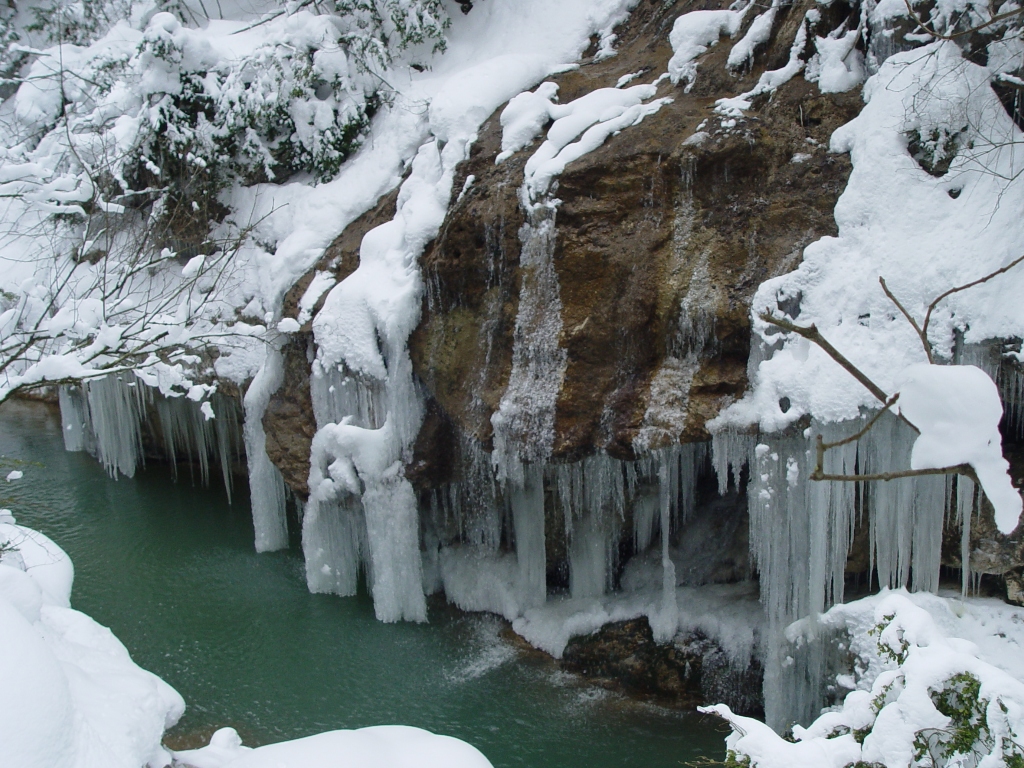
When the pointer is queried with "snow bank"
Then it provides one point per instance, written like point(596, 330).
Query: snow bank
point(73, 698)
point(922, 692)
point(592, 118)
point(924, 234)
point(382, 746)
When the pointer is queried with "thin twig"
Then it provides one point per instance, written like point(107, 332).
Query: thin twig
point(811, 333)
point(951, 291)
point(924, 338)
point(959, 469)
point(936, 34)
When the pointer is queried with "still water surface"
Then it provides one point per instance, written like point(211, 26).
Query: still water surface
point(170, 568)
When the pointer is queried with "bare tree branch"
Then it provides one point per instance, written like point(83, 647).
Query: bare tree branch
point(910, 318)
point(951, 291)
point(811, 333)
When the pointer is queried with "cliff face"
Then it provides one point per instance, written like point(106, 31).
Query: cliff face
point(662, 236)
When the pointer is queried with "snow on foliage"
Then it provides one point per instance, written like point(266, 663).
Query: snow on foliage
point(129, 130)
point(925, 693)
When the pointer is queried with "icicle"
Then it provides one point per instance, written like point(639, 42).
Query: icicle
point(646, 509)
point(588, 557)
point(265, 482)
point(730, 451)
point(333, 533)
point(337, 394)
point(906, 514)
point(117, 404)
point(74, 417)
point(524, 424)
point(665, 624)
point(392, 535)
point(528, 520)
point(964, 511)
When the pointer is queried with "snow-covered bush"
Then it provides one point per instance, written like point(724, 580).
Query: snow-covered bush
point(925, 694)
point(124, 137)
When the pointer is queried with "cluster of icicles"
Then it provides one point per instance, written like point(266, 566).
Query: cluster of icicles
point(483, 538)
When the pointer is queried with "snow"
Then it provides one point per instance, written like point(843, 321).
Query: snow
point(742, 53)
point(908, 647)
point(837, 66)
point(73, 696)
point(475, 579)
point(693, 33)
point(957, 410)
point(897, 221)
point(382, 746)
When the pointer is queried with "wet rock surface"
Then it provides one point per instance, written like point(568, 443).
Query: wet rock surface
point(663, 234)
point(690, 671)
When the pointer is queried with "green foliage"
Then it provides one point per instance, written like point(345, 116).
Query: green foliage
point(896, 654)
point(969, 734)
point(732, 760)
point(78, 21)
point(935, 150)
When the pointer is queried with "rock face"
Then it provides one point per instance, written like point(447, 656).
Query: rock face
point(687, 672)
point(661, 237)
point(663, 234)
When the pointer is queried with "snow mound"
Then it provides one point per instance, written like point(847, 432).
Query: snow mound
point(382, 746)
point(693, 33)
point(73, 698)
point(924, 692)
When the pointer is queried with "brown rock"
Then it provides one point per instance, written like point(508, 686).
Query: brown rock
point(660, 245)
point(687, 672)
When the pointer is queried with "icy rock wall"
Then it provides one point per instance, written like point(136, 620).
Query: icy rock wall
point(582, 512)
point(524, 424)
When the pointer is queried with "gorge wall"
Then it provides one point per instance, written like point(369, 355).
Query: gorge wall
point(571, 348)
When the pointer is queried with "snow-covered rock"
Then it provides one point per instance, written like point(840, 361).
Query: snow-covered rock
point(382, 746)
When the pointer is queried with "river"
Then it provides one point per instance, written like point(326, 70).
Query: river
point(169, 566)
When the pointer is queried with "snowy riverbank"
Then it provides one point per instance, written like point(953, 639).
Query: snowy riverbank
point(75, 699)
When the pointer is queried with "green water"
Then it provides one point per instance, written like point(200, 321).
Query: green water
point(170, 568)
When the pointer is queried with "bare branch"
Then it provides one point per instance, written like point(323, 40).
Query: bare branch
point(960, 469)
point(940, 36)
point(811, 333)
point(951, 291)
point(920, 332)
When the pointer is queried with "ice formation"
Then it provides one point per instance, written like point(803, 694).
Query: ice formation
point(266, 486)
point(105, 416)
point(801, 531)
